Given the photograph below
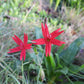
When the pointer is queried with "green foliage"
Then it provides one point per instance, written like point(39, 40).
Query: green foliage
point(77, 82)
point(57, 4)
point(51, 2)
point(78, 4)
point(69, 54)
point(58, 68)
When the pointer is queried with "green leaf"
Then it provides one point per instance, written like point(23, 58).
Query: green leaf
point(58, 61)
point(60, 48)
point(52, 61)
point(69, 54)
point(57, 4)
point(64, 70)
point(51, 1)
point(81, 67)
point(33, 56)
point(14, 78)
point(33, 66)
point(77, 82)
point(74, 68)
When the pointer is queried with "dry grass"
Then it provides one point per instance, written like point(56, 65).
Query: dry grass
point(74, 24)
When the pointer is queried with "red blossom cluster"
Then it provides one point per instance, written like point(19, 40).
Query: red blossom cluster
point(48, 40)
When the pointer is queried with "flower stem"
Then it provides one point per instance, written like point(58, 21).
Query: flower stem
point(22, 73)
point(50, 65)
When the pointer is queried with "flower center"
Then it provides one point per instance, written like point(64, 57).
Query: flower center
point(48, 39)
point(22, 46)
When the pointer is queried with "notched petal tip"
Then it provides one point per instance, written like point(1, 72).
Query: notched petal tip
point(20, 59)
point(63, 42)
point(13, 38)
point(25, 38)
point(9, 52)
point(15, 35)
point(46, 55)
point(24, 33)
point(42, 23)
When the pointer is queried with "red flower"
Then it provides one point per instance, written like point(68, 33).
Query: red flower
point(49, 39)
point(22, 46)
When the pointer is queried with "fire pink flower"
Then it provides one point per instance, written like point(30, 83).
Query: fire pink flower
point(22, 46)
point(49, 39)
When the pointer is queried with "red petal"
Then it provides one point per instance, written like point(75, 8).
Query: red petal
point(49, 48)
point(43, 30)
point(46, 30)
point(28, 46)
point(25, 38)
point(18, 39)
point(16, 49)
point(46, 50)
point(39, 41)
point(56, 33)
point(57, 42)
point(23, 53)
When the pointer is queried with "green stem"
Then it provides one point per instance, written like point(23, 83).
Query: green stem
point(52, 62)
point(22, 73)
point(50, 65)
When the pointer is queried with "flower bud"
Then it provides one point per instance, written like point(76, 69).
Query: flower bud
point(42, 74)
